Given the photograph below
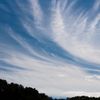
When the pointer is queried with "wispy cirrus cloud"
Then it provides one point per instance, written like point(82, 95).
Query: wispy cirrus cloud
point(76, 33)
point(96, 5)
point(38, 75)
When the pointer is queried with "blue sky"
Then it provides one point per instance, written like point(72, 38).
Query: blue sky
point(51, 45)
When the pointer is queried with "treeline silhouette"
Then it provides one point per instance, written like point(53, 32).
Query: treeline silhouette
point(83, 98)
point(14, 91)
point(18, 92)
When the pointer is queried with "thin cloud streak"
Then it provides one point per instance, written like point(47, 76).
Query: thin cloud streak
point(78, 31)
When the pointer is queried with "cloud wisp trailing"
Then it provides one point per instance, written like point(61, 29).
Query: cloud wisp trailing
point(51, 45)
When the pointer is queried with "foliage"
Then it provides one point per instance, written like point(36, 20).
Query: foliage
point(18, 92)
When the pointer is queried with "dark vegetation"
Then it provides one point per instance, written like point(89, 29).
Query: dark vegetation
point(84, 98)
point(18, 92)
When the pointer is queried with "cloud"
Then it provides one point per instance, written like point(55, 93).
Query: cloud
point(96, 5)
point(81, 93)
point(38, 75)
point(37, 12)
point(75, 33)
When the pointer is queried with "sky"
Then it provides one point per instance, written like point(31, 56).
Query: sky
point(51, 45)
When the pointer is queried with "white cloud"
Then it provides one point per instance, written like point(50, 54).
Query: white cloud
point(76, 33)
point(82, 93)
point(26, 45)
point(96, 5)
point(52, 79)
point(37, 13)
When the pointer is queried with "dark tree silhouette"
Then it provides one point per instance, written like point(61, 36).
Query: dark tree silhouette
point(83, 98)
point(18, 92)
